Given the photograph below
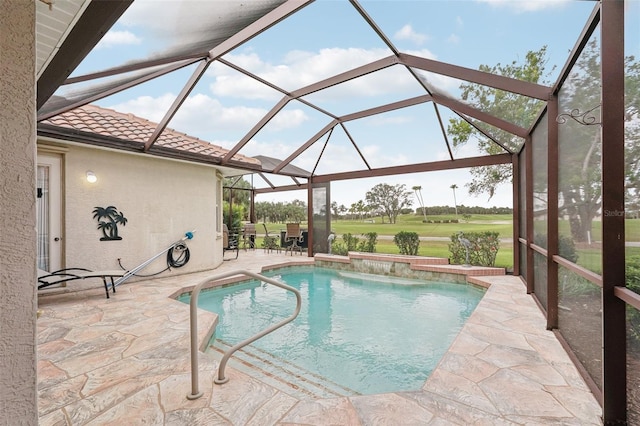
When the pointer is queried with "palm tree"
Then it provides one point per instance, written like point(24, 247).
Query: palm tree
point(455, 204)
point(360, 208)
point(418, 190)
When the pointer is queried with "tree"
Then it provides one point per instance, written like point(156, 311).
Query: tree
point(390, 199)
point(360, 208)
point(353, 209)
point(342, 209)
point(580, 144)
point(508, 106)
point(295, 211)
point(335, 210)
point(418, 190)
point(241, 194)
point(580, 177)
point(455, 203)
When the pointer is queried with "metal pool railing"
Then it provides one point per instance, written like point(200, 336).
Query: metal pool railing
point(195, 392)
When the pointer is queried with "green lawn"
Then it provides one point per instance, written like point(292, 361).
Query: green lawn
point(502, 224)
point(412, 223)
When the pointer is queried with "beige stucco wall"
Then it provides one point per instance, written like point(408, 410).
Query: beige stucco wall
point(18, 403)
point(160, 198)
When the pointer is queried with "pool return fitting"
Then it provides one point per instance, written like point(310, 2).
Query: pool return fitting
point(172, 260)
point(193, 305)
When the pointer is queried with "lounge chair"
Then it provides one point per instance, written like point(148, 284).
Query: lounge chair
point(46, 279)
point(229, 242)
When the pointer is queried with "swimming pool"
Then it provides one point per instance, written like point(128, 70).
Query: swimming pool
point(368, 334)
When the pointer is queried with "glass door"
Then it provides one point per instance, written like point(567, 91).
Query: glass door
point(48, 206)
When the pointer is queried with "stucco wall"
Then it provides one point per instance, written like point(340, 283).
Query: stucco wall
point(18, 403)
point(161, 200)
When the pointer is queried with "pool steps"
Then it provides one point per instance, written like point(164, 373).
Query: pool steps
point(280, 373)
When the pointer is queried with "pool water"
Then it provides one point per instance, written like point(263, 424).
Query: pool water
point(368, 333)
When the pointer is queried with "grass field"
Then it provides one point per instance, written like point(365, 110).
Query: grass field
point(412, 223)
point(502, 224)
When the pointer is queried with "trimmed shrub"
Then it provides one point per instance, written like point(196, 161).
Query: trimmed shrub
point(352, 243)
point(482, 251)
point(633, 284)
point(566, 246)
point(369, 243)
point(407, 242)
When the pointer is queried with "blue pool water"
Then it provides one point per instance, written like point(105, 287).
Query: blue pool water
point(368, 333)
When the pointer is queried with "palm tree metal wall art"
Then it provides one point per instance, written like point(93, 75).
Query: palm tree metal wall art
point(109, 226)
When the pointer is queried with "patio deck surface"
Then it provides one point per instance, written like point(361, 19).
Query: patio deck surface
point(125, 361)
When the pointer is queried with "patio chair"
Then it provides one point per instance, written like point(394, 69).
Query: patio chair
point(293, 238)
point(63, 276)
point(270, 242)
point(249, 236)
point(229, 242)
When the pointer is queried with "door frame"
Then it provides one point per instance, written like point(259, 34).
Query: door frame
point(54, 162)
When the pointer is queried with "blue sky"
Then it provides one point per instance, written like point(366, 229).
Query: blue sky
point(329, 37)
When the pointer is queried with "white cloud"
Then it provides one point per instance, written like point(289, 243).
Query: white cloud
point(199, 114)
point(118, 38)
point(383, 120)
point(272, 148)
point(148, 107)
point(453, 39)
point(378, 156)
point(300, 68)
point(408, 33)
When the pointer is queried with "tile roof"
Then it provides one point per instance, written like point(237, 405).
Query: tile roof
point(108, 122)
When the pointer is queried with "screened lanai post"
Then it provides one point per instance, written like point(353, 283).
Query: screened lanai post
point(230, 224)
point(552, 212)
point(515, 194)
point(529, 213)
point(321, 213)
point(252, 205)
point(310, 221)
point(614, 360)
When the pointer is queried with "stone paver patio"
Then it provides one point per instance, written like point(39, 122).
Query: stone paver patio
point(125, 361)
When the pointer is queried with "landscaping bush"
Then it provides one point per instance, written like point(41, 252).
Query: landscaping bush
point(407, 242)
point(483, 250)
point(369, 244)
point(567, 249)
point(566, 246)
point(343, 248)
point(633, 284)
point(352, 243)
point(237, 215)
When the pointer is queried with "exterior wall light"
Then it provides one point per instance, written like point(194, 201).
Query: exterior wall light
point(91, 177)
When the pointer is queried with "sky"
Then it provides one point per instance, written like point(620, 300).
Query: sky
point(326, 38)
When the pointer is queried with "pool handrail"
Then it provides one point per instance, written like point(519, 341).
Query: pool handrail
point(193, 314)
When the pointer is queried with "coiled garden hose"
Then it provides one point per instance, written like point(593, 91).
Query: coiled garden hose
point(182, 257)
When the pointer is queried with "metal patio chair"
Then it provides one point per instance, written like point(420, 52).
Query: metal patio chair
point(270, 242)
point(229, 242)
point(293, 238)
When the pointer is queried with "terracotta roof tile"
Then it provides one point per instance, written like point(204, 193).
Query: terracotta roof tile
point(107, 122)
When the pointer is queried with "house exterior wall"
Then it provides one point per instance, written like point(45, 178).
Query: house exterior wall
point(161, 200)
point(18, 376)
